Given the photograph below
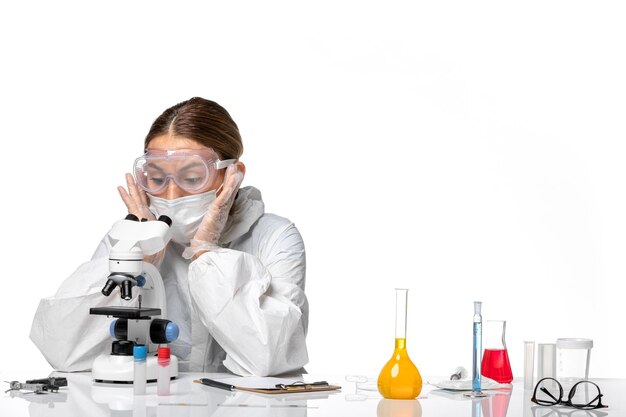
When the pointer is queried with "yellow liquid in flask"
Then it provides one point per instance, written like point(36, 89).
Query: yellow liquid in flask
point(399, 379)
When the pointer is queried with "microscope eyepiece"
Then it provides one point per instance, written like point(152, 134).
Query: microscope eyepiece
point(163, 218)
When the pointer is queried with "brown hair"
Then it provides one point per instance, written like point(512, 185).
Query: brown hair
point(201, 120)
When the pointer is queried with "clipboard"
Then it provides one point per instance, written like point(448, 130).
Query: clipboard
point(296, 387)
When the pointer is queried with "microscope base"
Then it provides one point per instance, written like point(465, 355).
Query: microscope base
point(120, 369)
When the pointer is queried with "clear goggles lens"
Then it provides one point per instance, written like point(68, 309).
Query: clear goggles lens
point(191, 170)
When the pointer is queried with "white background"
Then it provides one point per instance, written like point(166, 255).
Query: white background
point(466, 150)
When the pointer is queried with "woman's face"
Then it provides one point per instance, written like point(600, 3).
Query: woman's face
point(171, 143)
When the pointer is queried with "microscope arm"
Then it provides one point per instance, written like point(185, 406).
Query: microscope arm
point(156, 296)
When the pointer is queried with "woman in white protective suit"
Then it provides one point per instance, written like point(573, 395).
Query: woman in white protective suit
point(234, 275)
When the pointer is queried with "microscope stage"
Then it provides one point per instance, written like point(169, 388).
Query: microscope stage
point(126, 312)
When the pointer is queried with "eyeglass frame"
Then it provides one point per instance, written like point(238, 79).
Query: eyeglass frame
point(571, 394)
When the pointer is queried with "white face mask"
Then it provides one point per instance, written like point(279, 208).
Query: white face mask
point(186, 213)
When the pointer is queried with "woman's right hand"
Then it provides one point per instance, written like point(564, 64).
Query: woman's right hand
point(135, 199)
point(136, 202)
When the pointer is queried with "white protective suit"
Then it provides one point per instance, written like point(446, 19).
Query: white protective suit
point(241, 306)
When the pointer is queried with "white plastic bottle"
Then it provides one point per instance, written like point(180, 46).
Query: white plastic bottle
point(139, 378)
point(163, 371)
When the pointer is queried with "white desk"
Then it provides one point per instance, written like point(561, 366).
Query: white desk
point(85, 398)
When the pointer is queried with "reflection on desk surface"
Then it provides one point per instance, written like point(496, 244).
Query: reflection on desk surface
point(83, 397)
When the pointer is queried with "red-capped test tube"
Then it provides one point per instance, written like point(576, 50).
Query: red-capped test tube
point(163, 371)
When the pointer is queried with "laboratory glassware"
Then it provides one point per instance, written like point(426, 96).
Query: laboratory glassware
point(546, 360)
point(477, 347)
point(399, 378)
point(573, 356)
point(495, 364)
point(529, 365)
point(163, 372)
point(572, 360)
point(139, 372)
point(477, 351)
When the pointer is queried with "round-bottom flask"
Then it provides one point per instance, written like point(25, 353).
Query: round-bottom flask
point(399, 378)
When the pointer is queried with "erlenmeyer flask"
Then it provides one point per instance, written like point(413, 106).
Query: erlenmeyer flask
point(399, 379)
point(496, 363)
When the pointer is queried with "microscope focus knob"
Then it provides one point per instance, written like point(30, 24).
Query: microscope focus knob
point(122, 348)
point(163, 331)
point(119, 329)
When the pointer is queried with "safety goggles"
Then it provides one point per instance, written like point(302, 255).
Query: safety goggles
point(190, 169)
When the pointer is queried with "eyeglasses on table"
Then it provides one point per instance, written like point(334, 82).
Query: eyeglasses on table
point(546, 394)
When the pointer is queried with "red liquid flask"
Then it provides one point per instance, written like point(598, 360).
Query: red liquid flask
point(496, 364)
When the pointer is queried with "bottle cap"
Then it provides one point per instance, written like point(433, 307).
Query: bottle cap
point(163, 352)
point(140, 352)
point(574, 343)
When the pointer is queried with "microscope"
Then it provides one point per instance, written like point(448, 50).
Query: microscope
point(132, 239)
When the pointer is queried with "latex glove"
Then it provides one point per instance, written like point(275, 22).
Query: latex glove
point(135, 199)
point(213, 223)
point(136, 202)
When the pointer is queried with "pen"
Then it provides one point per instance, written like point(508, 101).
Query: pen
point(216, 384)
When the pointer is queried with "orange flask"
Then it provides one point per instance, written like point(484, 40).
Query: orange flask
point(399, 379)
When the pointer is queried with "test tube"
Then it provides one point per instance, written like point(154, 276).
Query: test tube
point(529, 365)
point(163, 371)
point(139, 378)
point(546, 360)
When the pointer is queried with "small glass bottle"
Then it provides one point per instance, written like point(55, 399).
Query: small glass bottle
point(163, 371)
point(139, 378)
point(399, 378)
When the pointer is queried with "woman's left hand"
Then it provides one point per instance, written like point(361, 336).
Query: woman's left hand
point(213, 223)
